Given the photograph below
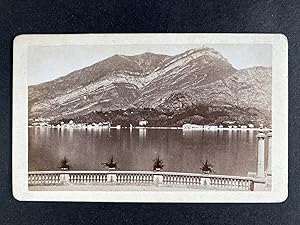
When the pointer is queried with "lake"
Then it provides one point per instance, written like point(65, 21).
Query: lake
point(231, 152)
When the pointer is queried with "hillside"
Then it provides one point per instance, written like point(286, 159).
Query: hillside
point(169, 85)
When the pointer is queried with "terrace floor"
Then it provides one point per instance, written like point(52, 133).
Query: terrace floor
point(106, 187)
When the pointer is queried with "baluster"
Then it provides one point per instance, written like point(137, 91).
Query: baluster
point(239, 184)
point(249, 185)
point(244, 184)
point(230, 183)
point(233, 183)
point(32, 179)
point(49, 176)
point(226, 184)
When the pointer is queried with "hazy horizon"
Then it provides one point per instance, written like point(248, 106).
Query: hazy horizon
point(47, 63)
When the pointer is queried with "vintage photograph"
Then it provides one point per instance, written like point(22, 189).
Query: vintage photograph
point(150, 117)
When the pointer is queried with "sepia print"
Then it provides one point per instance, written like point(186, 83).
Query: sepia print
point(180, 116)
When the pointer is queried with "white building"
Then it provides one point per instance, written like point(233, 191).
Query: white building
point(143, 123)
point(188, 126)
point(106, 124)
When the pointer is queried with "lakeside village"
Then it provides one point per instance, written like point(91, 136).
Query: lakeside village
point(230, 125)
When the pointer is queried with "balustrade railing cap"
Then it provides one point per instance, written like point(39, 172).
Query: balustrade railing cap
point(270, 134)
point(261, 135)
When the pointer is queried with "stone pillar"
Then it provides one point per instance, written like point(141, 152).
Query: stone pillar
point(64, 178)
point(158, 178)
point(269, 168)
point(111, 177)
point(260, 171)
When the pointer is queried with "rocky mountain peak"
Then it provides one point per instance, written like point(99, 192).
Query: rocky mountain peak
point(197, 76)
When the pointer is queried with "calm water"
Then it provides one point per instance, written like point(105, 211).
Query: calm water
point(231, 152)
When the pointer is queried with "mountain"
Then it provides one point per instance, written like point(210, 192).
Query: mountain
point(109, 84)
point(251, 87)
point(167, 83)
point(189, 70)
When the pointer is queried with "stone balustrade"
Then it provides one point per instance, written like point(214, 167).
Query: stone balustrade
point(172, 179)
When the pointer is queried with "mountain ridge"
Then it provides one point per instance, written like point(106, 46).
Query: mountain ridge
point(148, 80)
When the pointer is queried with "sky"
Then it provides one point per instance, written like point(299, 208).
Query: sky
point(46, 63)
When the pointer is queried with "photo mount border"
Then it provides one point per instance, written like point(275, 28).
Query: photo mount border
point(279, 191)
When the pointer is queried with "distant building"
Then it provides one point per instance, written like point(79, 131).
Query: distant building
point(118, 126)
point(250, 125)
point(243, 126)
point(188, 126)
point(143, 123)
point(220, 126)
point(106, 124)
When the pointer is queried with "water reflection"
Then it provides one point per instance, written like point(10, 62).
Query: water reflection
point(231, 152)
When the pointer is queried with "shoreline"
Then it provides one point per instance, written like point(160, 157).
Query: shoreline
point(159, 128)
